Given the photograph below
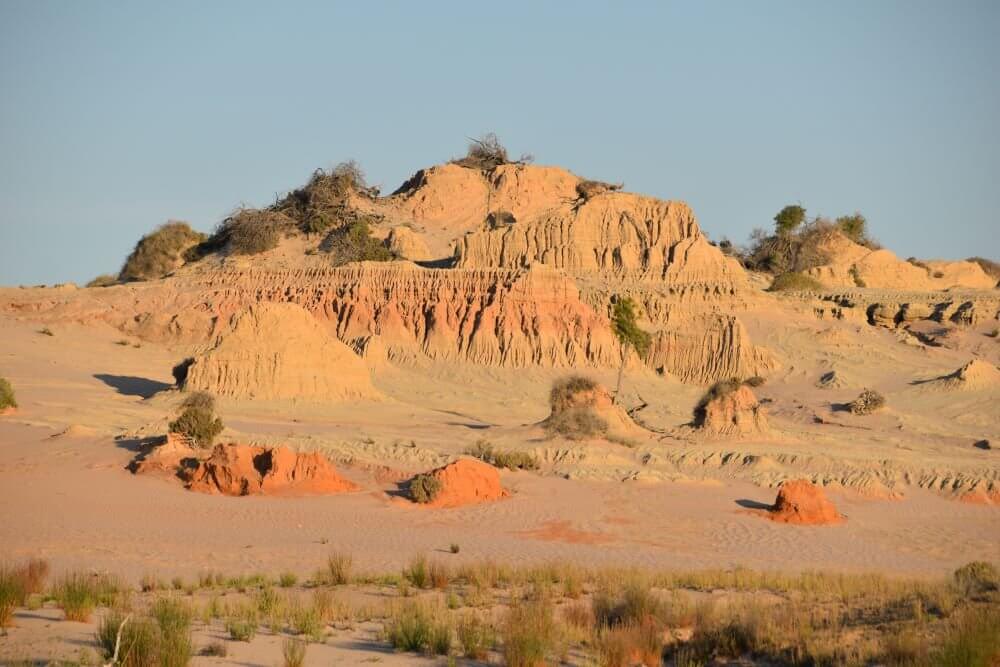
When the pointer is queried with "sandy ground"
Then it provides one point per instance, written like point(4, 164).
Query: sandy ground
point(70, 499)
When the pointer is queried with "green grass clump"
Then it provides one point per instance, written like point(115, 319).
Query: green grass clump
point(977, 577)
point(199, 424)
point(287, 579)
point(242, 626)
point(162, 637)
point(529, 633)
point(12, 594)
point(354, 243)
point(7, 398)
point(484, 451)
point(294, 652)
point(160, 252)
point(424, 488)
point(418, 572)
point(475, 637)
point(77, 595)
point(972, 641)
point(411, 628)
point(793, 281)
point(338, 569)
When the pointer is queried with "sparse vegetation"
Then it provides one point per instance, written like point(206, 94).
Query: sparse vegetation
point(455, 548)
point(160, 252)
point(78, 594)
point(487, 153)
point(12, 594)
point(354, 243)
point(424, 488)
point(338, 568)
point(511, 460)
point(410, 628)
point(588, 189)
point(977, 577)
point(475, 637)
point(529, 633)
point(7, 397)
point(294, 652)
point(199, 424)
point(630, 336)
point(570, 418)
point(201, 400)
point(323, 203)
point(795, 282)
point(991, 268)
point(103, 280)
point(253, 231)
point(45, 331)
point(867, 402)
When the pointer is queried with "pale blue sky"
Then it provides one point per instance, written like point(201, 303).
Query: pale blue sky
point(115, 116)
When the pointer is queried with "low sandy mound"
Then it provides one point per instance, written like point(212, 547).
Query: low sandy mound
point(975, 375)
point(730, 408)
point(167, 459)
point(244, 470)
point(802, 502)
point(280, 351)
point(467, 482)
point(582, 409)
point(707, 348)
point(853, 265)
point(406, 243)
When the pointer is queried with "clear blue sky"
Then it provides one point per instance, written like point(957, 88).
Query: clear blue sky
point(115, 116)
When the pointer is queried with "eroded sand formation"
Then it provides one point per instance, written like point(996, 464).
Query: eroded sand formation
point(735, 412)
point(467, 482)
point(802, 502)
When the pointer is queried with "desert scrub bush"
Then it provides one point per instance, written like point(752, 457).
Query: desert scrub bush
point(293, 651)
point(564, 391)
point(578, 423)
point(306, 620)
point(867, 402)
point(242, 623)
point(253, 231)
point(475, 636)
point(630, 644)
point(424, 488)
point(409, 628)
point(487, 153)
point(720, 389)
point(754, 381)
point(792, 281)
point(45, 331)
point(161, 638)
point(439, 574)
point(588, 189)
point(354, 242)
point(529, 633)
point(972, 640)
point(633, 605)
point(977, 577)
point(77, 595)
point(160, 252)
point(12, 594)
point(7, 398)
point(324, 201)
point(418, 572)
point(484, 451)
point(103, 280)
point(200, 400)
point(173, 620)
point(199, 424)
point(287, 579)
point(338, 569)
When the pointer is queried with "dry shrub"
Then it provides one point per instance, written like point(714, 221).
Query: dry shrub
point(12, 594)
point(579, 423)
point(201, 400)
point(499, 458)
point(103, 280)
point(78, 593)
point(487, 153)
point(588, 189)
point(338, 568)
point(294, 652)
point(439, 574)
point(7, 398)
point(867, 402)
point(793, 281)
point(630, 644)
point(354, 243)
point(424, 488)
point(160, 252)
point(977, 577)
point(529, 633)
point(475, 636)
point(252, 231)
point(323, 202)
point(564, 391)
point(418, 627)
point(199, 424)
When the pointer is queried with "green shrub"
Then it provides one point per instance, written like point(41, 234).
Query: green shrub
point(287, 579)
point(7, 398)
point(76, 593)
point(418, 573)
point(867, 402)
point(977, 577)
point(410, 628)
point(294, 652)
point(173, 620)
point(242, 625)
point(199, 400)
point(338, 567)
point(140, 644)
point(795, 282)
point(475, 637)
point(424, 488)
point(199, 424)
point(12, 594)
point(789, 218)
point(160, 252)
point(354, 243)
point(579, 423)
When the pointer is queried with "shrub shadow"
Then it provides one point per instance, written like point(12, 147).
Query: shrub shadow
point(129, 385)
point(753, 504)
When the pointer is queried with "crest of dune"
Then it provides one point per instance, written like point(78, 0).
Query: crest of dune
point(279, 351)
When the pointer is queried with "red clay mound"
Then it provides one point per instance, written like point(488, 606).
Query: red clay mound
point(467, 482)
point(243, 470)
point(802, 502)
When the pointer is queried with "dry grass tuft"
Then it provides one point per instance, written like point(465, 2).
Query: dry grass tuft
point(7, 398)
point(353, 242)
point(867, 402)
point(160, 252)
point(484, 451)
point(793, 281)
point(424, 488)
point(253, 231)
point(588, 189)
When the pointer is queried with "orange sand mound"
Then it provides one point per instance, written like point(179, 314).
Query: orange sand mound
point(467, 482)
point(243, 470)
point(734, 413)
point(802, 502)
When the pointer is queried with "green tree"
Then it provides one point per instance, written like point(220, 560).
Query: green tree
point(628, 333)
point(788, 219)
point(855, 227)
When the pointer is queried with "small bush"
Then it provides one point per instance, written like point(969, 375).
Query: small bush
point(338, 567)
point(867, 402)
point(252, 231)
point(424, 488)
point(199, 400)
point(199, 424)
point(754, 381)
point(173, 619)
point(294, 652)
point(973, 640)
point(439, 574)
point(717, 390)
point(103, 280)
point(455, 548)
point(180, 372)
point(160, 252)
point(439, 642)
point(214, 650)
point(287, 579)
point(587, 189)
point(630, 644)
point(324, 202)
point(529, 634)
point(410, 628)
point(632, 606)
point(487, 153)
point(139, 643)
point(579, 423)
point(565, 390)
point(418, 573)
point(7, 398)
point(354, 243)
point(242, 626)
point(475, 637)
point(12, 594)
point(511, 460)
point(977, 577)
point(795, 282)
point(77, 595)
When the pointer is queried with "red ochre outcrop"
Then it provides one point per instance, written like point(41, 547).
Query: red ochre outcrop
point(467, 482)
point(802, 502)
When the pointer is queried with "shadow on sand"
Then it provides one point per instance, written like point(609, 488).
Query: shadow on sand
point(133, 386)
